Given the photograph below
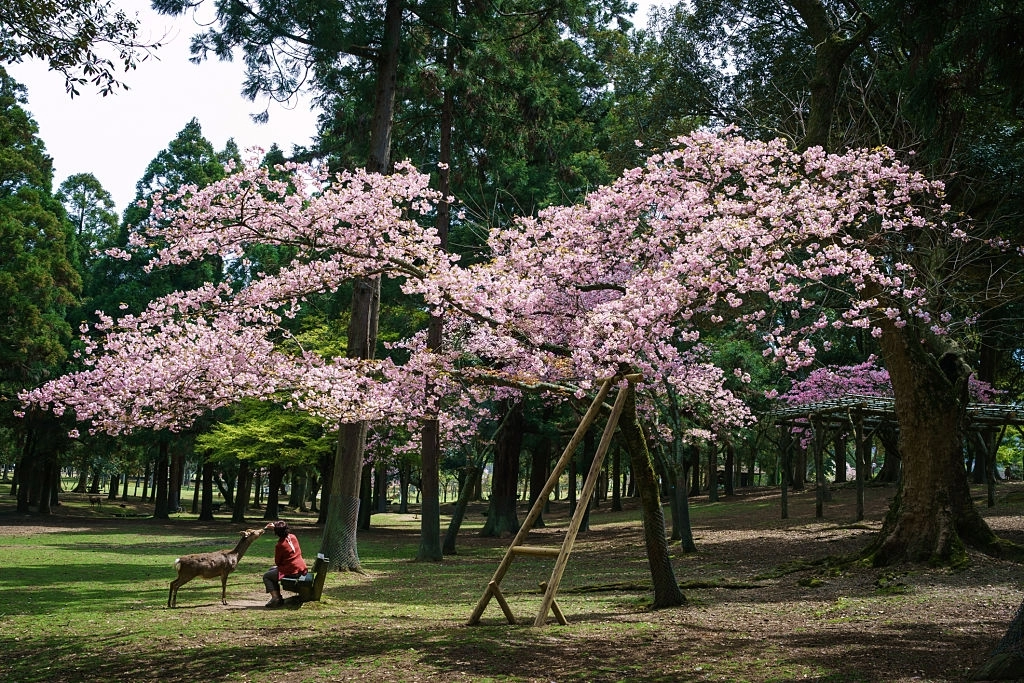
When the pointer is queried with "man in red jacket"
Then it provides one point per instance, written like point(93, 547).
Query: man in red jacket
point(288, 562)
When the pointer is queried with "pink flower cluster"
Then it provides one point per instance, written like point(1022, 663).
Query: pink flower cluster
point(717, 230)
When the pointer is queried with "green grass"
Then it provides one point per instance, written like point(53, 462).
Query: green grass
point(83, 597)
point(88, 603)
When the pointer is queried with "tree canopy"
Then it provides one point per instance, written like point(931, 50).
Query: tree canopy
point(81, 39)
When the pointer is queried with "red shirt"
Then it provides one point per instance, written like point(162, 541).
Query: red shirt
point(288, 557)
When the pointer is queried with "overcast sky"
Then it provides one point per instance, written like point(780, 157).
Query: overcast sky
point(115, 137)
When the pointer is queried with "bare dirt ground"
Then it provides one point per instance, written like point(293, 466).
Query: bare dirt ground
point(749, 614)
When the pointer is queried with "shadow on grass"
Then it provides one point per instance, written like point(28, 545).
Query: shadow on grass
point(455, 653)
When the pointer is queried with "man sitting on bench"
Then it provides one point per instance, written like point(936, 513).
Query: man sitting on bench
point(288, 562)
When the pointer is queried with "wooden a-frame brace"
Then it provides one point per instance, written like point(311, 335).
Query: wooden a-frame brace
point(518, 548)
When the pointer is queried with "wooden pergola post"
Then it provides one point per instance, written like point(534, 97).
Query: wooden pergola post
point(818, 444)
point(787, 464)
point(861, 460)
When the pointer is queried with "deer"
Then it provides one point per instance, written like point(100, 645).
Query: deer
point(211, 565)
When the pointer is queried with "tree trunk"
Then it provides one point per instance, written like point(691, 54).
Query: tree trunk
point(459, 513)
point(891, 461)
point(46, 469)
point(832, 46)
point(695, 472)
point(161, 509)
point(326, 475)
point(683, 504)
point(502, 517)
point(839, 455)
point(713, 473)
point(1006, 663)
point(430, 510)
point(539, 464)
point(666, 588)
point(404, 475)
point(730, 469)
point(243, 492)
point(339, 539)
point(380, 487)
point(83, 475)
point(274, 479)
point(932, 515)
point(365, 497)
point(617, 480)
point(586, 459)
point(148, 473)
point(177, 473)
point(206, 504)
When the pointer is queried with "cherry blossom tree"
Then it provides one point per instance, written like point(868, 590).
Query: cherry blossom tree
point(716, 229)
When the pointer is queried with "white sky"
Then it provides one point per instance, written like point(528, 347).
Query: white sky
point(115, 137)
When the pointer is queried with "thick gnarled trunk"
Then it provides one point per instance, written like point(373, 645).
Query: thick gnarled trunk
point(933, 516)
point(502, 517)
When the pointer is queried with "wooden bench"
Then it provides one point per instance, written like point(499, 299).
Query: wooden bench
point(310, 585)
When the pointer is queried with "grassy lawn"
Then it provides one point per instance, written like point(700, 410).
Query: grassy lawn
point(85, 591)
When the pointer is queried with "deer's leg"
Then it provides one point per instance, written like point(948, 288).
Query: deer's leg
point(223, 588)
point(172, 597)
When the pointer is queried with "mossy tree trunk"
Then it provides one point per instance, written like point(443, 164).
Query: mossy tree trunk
point(933, 515)
point(666, 588)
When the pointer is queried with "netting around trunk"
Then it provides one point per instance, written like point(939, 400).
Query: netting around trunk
point(338, 543)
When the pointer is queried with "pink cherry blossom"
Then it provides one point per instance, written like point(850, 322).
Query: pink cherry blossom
point(716, 230)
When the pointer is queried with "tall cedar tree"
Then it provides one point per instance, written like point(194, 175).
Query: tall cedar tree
point(38, 283)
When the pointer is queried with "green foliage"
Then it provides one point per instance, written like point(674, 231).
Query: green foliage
point(663, 87)
point(267, 434)
point(529, 99)
point(1011, 454)
point(37, 280)
point(188, 159)
point(90, 208)
point(74, 37)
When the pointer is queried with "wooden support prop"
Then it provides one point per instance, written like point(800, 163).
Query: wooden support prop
point(581, 508)
point(555, 609)
point(502, 603)
point(517, 546)
point(535, 550)
point(538, 506)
